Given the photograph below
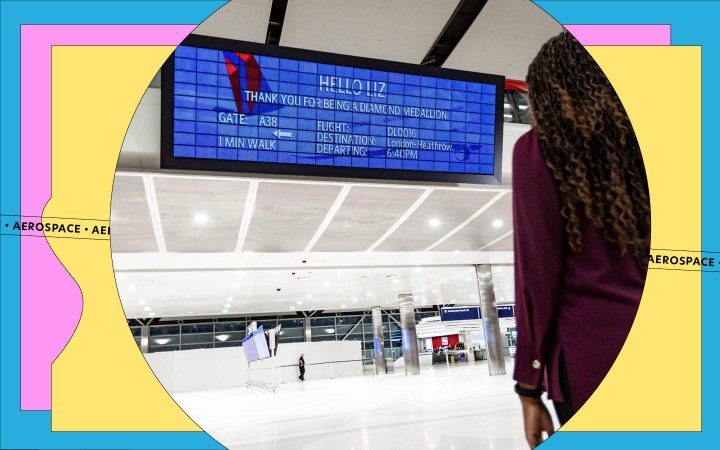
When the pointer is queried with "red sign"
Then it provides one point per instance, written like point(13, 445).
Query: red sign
point(445, 341)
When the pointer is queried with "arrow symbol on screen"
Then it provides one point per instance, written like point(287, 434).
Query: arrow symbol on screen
point(282, 134)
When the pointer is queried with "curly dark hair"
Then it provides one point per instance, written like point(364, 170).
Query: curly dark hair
point(589, 145)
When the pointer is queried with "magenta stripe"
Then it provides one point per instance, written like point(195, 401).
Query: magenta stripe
point(621, 34)
point(50, 309)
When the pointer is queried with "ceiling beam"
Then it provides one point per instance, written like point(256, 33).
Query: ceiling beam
point(317, 181)
point(247, 214)
point(277, 19)
point(402, 219)
point(151, 197)
point(469, 220)
point(142, 262)
point(464, 15)
point(494, 241)
point(339, 200)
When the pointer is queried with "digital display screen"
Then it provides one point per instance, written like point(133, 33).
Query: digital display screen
point(255, 345)
point(506, 311)
point(460, 313)
point(237, 106)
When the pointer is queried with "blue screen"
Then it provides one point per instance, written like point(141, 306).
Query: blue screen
point(255, 346)
point(506, 311)
point(244, 107)
point(460, 313)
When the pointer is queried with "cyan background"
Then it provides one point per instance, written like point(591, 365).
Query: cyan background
point(693, 23)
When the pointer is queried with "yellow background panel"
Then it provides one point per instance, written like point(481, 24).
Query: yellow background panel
point(100, 382)
point(655, 382)
point(101, 376)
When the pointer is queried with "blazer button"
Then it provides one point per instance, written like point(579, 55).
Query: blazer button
point(536, 364)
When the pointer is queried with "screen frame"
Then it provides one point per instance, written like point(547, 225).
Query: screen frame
point(169, 161)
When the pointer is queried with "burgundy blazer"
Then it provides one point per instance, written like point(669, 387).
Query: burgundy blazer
point(579, 304)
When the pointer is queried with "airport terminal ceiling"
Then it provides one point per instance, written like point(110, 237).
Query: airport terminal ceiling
point(257, 292)
point(159, 218)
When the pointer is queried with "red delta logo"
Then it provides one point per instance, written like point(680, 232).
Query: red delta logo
point(245, 75)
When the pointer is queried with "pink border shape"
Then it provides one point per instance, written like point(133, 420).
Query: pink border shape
point(50, 310)
point(621, 34)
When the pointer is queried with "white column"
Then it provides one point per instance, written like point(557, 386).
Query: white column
point(409, 335)
point(491, 323)
point(378, 345)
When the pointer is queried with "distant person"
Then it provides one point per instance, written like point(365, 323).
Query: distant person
point(581, 214)
point(301, 366)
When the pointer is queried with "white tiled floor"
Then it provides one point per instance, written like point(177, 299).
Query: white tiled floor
point(442, 408)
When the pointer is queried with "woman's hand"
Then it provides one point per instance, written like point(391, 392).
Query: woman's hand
point(537, 419)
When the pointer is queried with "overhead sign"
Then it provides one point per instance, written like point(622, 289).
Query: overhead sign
point(473, 312)
point(245, 107)
point(505, 311)
point(460, 313)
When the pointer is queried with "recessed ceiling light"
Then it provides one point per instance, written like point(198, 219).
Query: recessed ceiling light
point(343, 271)
point(468, 279)
point(502, 299)
point(434, 222)
point(472, 295)
point(147, 308)
point(200, 218)
point(342, 306)
point(417, 270)
point(152, 314)
point(329, 330)
point(161, 341)
point(230, 299)
point(142, 302)
point(456, 251)
point(131, 288)
point(309, 296)
point(292, 307)
point(395, 281)
point(224, 311)
point(120, 276)
point(222, 337)
point(497, 223)
point(235, 286)
point(239, 274)
point(299, 302)
point(498, 269)
point(227, 305)
point(355, 300)
point(369, 294)
point(434, 291)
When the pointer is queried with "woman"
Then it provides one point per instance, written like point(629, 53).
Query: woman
point(301, 365)
point(582, 233)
